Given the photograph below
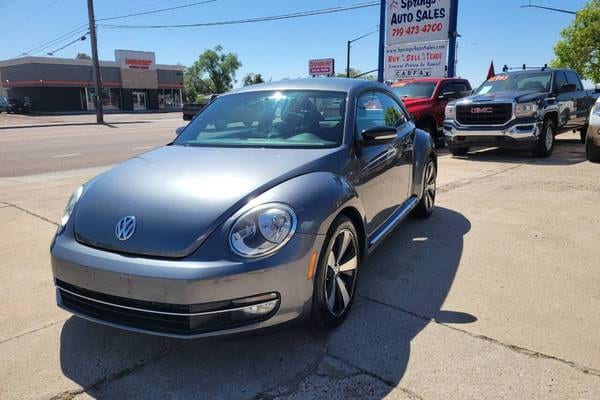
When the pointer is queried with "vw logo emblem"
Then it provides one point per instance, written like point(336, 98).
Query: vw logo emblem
point(125, 228)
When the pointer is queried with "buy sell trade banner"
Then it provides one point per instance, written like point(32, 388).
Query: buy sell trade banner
point(417, 60)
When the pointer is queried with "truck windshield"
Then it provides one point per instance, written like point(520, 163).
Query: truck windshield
point(414, 89)
point(519, 82)
point(286, 119)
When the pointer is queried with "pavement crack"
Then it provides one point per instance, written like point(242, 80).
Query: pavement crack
point(512, 347)
point(33, 331)
point(29, 212)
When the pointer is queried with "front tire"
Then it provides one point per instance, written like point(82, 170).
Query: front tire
point(592, 152)
point(427, 203)
point(336, 276)
point(545, 143)
point(583, 134)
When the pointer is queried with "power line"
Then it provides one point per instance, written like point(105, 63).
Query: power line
point(252, 20)
point(44, 8)
point(69, 44)
point(158, 11)
point(48, 44)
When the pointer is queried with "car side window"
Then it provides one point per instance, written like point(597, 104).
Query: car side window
point(574, 79)
point(448, 87)
point(461, 87)
point(378, 109)
point(560, 80)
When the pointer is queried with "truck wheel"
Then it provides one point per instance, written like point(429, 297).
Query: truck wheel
point(592, 152)
point(459, 151)
point(336, 275)
point(431, 128)
point(427, 203)
point(545, 143)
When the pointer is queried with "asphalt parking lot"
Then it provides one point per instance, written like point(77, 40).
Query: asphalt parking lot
point(496, 296)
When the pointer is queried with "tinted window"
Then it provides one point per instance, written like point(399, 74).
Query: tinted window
point(378, 109)
point(522, 82)
point(462, 87)
point(293, 118)
point(560, 80)
point(574, 79)
point(414, 89)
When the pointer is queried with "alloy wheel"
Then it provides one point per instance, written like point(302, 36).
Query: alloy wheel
point(342, 264)
point(549, 138)
point(430, 185)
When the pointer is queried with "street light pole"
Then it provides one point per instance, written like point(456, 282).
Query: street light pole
point(549, 8)
point(350, 45)
point(95, 62)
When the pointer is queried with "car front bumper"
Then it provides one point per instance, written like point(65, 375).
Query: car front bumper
point(521, 134)
point(184, 298)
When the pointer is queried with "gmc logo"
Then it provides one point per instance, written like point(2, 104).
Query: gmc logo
point(482, 110)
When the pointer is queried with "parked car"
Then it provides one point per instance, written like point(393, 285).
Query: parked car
point(426, 100)
point(521, 109)
point(17, 106)
point(260, 212)
point(191, 109)
point(592, 144)
point(3, 104)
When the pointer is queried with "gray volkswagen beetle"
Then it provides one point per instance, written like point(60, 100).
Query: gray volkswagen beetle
point(260, 212)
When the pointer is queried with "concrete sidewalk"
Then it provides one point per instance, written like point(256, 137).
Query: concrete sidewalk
point(495, 297)
point(20, 121)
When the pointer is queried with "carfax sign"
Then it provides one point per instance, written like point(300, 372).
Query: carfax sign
point(417, 60)
point(415, 21)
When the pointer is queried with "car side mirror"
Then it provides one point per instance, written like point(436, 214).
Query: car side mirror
point(567, 88)
point(379, 134)
point(448, 96)
point(179, 130)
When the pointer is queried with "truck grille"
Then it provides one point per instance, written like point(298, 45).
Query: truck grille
point(484, 114)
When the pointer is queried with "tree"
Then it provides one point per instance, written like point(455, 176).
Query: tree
point(253, 79)
point(213, 73)
point(82, 56)
point(579, 46)
point(356, 72)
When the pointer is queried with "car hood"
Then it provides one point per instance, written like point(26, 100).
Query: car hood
point(179, 195)
point(505, 97)
point(410, 102)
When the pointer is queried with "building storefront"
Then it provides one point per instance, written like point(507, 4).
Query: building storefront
point(133, 82)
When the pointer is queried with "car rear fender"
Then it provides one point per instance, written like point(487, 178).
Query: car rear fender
point(423, 150)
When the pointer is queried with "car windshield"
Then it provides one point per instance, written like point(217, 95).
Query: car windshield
point(287, 119)
point(519, 82)
point(414, 89)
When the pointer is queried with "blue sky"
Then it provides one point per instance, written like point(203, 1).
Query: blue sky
point(490, 29)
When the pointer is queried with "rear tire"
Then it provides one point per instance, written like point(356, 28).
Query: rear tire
point(459, 151)
point(336, 276)
point(545, 143)
point(592, 152)
point(426, 205)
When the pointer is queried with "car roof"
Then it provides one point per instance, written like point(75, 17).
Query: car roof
point(327, 84)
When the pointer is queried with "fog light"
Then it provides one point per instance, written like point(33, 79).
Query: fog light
point(261, 309)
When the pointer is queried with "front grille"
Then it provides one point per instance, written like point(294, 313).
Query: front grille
point(159, 317)
point(483, 114)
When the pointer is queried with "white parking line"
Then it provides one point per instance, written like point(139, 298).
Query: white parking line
point(143, 148)
point(66, 155)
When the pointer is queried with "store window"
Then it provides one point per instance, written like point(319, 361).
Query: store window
point(110, 98)
point(169, 98)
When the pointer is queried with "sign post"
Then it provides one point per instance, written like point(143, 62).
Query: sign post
point(452, 35)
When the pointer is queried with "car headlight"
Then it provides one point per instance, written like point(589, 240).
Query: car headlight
point(526, 109)
point(69, 209)
point(450, 111)
point(263, 230)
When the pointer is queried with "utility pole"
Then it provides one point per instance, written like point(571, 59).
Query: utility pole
point(452, 35)
point(96, 62)
point(350, 45)
point(382, 25)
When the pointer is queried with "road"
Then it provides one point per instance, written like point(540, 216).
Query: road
point(27, 151)
point(496, 296)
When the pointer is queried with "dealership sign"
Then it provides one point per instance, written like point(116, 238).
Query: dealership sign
point(136, 60)
point(324, 66)
point(418, 60)
point(415, 21)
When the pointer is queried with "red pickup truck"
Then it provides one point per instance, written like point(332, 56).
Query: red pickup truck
point(426, 99)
